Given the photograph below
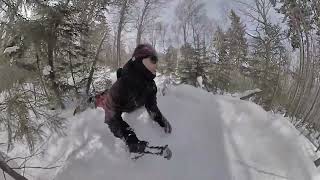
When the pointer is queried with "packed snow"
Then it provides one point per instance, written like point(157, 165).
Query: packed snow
point(213, 137)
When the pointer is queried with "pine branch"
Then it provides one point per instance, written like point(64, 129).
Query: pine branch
point(35, 167)
point(11, 159)
point(6, 168)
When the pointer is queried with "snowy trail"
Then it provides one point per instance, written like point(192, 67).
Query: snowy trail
point(214, 137)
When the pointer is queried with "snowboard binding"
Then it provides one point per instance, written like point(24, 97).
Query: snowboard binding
point(163, 151)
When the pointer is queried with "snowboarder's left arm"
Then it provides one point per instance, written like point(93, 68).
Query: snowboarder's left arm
point(155, 114)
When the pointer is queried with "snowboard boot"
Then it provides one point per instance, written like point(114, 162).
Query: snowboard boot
point(137, 147)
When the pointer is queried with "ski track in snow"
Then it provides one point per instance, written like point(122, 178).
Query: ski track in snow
point(213, 137)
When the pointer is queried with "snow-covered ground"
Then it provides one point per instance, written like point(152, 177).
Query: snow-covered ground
point(213, 137)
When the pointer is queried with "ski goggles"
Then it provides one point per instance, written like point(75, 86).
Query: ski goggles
point(154, 59)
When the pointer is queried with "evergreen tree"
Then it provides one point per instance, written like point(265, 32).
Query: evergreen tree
point(43, 49)
point(268, 58)
point(237, 42)
point(220, 72)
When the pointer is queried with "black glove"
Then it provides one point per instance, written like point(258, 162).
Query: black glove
point(166, 125)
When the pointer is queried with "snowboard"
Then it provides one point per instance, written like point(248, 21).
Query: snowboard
point(163, 151)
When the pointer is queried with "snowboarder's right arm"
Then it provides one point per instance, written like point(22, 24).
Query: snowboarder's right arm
point(155, 114)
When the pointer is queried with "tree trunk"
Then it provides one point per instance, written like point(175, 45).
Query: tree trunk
point(139, 34)
point(300, 75)
point(305, 73)
point(153, 37)
point(72, 75)
point(120, 27)
point(313, 80)
point(140, 25)
point(312, 106)
point(275, 92)
point(40, 76)
point(96, 57)
point(114, 47)
point(119, 45)
point(52, 72)
point(185, 34)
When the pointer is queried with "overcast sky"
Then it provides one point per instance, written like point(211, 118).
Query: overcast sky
point(217, 10)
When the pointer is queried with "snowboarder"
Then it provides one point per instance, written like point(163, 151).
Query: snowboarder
point(134, 88)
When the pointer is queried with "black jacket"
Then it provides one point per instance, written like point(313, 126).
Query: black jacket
point(134, 88)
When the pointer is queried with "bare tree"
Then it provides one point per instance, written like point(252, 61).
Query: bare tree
point(96, 57)
point(194, 24)
point(185, 10)
point(125, 6)
point(153, 33)
point(146, 15)
point(163, 30)
point(303, 32)
point(268, 52)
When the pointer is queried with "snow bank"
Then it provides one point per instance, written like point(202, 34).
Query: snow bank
point(214, 137)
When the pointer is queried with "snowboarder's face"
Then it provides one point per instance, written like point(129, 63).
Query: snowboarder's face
point(150, 65)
